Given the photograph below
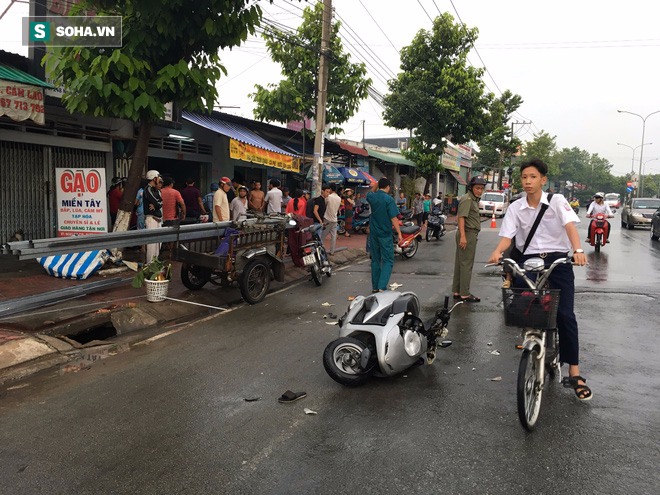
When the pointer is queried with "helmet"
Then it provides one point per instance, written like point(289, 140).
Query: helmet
point(477, 180)
point(599, 195)
point(215, 186)
point(152, 174)
point(242, 187)
point(226, 180)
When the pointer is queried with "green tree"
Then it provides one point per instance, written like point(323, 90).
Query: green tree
point(543, 147)
point(298, 54)
point(438, 94)
point(497, 148)
point(169, 54)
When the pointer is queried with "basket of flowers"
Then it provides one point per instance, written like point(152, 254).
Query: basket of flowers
point(156, 277)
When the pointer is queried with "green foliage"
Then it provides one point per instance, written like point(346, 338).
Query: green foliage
point(572, 168)
point(437, 94)
point(409, 188)
point(497, 148)
point(296, 95)
point(156, 270)
point(169, 54)
point(428, 160)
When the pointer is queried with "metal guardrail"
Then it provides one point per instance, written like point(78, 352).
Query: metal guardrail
point(38, 248)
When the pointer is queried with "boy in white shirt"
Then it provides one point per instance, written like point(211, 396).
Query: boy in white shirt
point(555, 236)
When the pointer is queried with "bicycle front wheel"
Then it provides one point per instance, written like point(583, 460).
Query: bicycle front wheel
point(529, 389)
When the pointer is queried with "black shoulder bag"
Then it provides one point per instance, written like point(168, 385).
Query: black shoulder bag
point(516, 253)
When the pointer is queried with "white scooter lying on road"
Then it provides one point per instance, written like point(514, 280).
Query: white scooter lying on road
point(382, 335)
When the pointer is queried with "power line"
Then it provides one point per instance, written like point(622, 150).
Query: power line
point(427, 14)
point(482, 60)
point(381, 29)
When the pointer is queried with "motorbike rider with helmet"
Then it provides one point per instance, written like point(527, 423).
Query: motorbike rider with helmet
point(596, 207)
point(469, 225)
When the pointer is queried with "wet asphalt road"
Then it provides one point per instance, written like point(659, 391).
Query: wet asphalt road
point(170, 416)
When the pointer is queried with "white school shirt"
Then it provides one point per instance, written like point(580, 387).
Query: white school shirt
point(550, 236)
point(595, 208)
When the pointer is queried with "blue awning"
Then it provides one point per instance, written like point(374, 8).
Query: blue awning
point(234, 131)
point(353, 176)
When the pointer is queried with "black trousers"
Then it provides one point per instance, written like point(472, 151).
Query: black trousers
point(563, 278)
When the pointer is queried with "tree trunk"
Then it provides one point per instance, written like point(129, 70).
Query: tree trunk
point(122, 223)
point(427, 185)
point(134, 176)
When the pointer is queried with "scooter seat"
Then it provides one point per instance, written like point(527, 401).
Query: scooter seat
point(405, 211)
point(410, 229)
point(405, 304)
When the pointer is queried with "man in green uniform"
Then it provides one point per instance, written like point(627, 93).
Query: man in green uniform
point(383, 217)
point(469, 225)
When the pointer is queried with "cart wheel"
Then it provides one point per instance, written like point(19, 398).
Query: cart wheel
point(254, 281)
point(194, 277)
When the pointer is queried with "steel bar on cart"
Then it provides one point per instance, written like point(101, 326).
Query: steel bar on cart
point(64, 245)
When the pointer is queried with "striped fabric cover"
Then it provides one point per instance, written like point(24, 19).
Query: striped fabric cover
point(77, 266)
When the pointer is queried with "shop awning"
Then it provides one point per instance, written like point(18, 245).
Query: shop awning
point(330, 174)
point(233, 131)
point(458, 178)
point(392, 158)
point(352, 149)
point(9, 73)
point(353, 176)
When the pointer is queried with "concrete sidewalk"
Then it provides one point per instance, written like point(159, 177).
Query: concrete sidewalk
point(75, 333)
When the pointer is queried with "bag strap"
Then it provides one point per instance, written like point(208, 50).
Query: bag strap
point(536, 223)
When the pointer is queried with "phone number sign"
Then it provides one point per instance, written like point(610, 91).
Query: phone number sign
point(21, 101)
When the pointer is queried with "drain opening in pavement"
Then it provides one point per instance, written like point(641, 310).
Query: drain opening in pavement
point(99, 332)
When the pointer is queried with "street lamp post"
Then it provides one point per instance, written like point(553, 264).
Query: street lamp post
point(633, 150)
point(641, 152)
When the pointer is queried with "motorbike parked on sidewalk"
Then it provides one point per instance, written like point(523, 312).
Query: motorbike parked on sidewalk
point(361, 218)
point(435, 225)
point(314, 256)
point(411, 235)
point(405, 215)
point(598, 237)
point(382, 335)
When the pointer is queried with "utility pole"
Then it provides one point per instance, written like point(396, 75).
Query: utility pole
point(321, 100)
point(511, 157)
point(363, 132)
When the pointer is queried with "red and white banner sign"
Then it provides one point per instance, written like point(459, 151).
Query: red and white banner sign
point(21, 101)
point(81, 201)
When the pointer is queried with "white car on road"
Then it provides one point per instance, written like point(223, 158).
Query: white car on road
point(493, 201)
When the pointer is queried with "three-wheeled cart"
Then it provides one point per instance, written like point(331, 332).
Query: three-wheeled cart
point(253, 252)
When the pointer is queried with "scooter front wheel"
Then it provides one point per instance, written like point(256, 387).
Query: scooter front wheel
point(599, 241)
point(341, 360)
point(529, 390)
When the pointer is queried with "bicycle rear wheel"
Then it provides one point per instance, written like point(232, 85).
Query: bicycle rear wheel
point(529, 390)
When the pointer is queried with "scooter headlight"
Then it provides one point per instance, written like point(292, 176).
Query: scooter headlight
point(412, 343)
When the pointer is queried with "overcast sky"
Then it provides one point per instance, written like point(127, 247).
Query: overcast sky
point(575, 63)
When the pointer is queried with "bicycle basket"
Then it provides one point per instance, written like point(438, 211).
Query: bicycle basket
point(530, 309)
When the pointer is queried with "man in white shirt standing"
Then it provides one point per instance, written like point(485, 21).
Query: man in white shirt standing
point(598, 206)
point(555, 236)
point(274, 197)
point(238, 205)
point(332, 205)
point(220, 202)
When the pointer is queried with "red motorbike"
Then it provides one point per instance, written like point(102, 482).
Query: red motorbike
point(411, 235)
point(600, 231)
